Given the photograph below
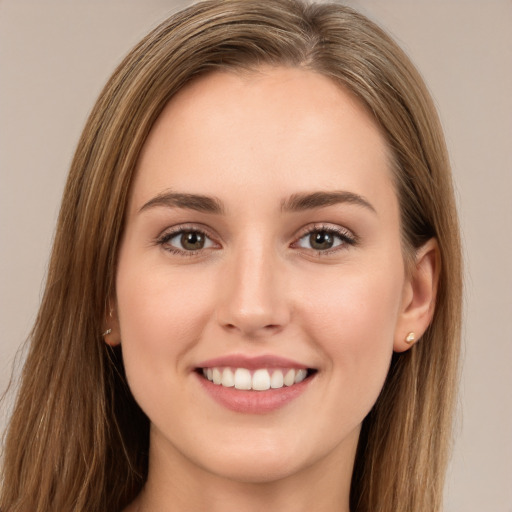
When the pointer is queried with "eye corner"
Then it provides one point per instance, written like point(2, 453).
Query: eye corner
point(329, 239)
point(199, 242)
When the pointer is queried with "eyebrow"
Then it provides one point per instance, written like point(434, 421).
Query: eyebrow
point(295, 203)
point(309, 201)
point(195, 202)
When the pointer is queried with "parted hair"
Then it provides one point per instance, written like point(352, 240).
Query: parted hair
point(77, 441)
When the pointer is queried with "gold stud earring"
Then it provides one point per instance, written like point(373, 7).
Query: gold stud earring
point(410, 338)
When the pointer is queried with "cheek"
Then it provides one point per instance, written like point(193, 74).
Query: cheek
point(161, 317)
point(353, 322)
point(355, 306)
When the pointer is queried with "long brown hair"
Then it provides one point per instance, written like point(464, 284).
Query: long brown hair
point(77, 440)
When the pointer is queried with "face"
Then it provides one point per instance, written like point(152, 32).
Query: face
point(261, 249)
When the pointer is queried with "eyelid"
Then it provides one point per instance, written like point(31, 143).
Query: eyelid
point(171, 232)
point(347, 237)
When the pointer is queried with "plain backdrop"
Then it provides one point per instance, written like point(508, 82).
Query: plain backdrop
point(55, 56)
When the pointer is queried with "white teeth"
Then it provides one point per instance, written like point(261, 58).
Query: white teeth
point(277, 379)
point(259, 380)
point(289, 378)
point(243, 379)
point(217, 376)
point(228, 379)
point(300, 376)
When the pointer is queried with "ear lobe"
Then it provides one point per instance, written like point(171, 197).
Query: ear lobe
point(111, 334)
point(419, 296)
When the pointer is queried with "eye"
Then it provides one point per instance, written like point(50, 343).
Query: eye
point(325, 239)
point(184, 241)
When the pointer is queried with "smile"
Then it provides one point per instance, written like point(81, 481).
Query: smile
point(254, 384)
point(261, 379)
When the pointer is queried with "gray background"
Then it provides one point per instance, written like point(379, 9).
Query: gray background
point(55, 56)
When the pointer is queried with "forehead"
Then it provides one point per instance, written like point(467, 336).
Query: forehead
point(279, 130)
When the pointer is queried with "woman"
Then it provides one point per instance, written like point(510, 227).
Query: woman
point(254, 293)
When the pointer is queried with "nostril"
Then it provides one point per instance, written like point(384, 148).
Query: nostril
point(253, 330)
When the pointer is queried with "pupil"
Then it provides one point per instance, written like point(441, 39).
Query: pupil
point(192, 240)
point(321, 240)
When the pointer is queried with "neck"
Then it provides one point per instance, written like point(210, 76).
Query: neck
point(176, 484)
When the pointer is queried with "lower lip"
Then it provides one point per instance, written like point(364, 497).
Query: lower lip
point(254, 402)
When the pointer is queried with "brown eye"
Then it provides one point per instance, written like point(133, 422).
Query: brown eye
point(321, 240)
point(325, 239)
point(186, 241)
point(192, 240)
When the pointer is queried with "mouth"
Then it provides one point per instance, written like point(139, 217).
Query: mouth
point(255, 379)
point(254, 384)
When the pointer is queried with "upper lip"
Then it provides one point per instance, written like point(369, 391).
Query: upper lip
point(251, 362)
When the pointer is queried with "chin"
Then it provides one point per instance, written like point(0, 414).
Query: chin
point(271, 458)
point(257, 469)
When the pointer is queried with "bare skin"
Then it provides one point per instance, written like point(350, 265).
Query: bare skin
point(269, 264)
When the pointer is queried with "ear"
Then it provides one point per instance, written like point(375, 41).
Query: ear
point(111, 333)
point(418, 296)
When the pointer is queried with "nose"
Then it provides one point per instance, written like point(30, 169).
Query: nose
point(254, 301)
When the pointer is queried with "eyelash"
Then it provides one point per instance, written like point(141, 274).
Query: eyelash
point(345, 237)
point(180, 230)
